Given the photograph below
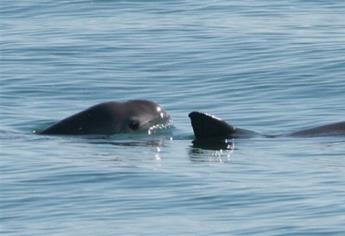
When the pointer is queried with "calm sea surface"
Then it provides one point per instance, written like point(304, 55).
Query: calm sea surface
point(269, 66)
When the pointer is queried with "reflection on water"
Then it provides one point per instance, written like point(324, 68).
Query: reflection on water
point(130, 143)
point(215, 144)
point(204, 155)
point(211, 151)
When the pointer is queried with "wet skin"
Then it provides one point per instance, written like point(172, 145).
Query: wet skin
point(137, 115)
point(208, 128)
point(111, 118)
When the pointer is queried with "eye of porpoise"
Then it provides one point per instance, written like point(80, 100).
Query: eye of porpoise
point(111, 118)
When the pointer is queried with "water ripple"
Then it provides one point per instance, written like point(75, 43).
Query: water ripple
point(269, 66)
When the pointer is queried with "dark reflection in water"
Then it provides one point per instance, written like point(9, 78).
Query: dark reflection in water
point(227, 144)
point(130, 143)
point(211, 151)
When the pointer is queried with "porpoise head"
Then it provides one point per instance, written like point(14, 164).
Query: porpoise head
point(111, 118)
point(142, 115)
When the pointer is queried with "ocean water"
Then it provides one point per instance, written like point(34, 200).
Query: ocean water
point(269, 66)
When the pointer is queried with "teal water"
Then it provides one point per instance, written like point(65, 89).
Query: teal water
point(268, 66)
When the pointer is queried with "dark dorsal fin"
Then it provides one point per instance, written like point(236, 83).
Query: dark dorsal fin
point(206, 126)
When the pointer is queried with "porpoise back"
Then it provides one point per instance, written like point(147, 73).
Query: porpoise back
point(208, 127)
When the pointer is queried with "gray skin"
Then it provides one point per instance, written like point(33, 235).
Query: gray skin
point(210, 128)
point(111, 118)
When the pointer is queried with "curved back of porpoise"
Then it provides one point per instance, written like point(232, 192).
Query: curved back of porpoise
point(208, 127)
point(325, 130)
